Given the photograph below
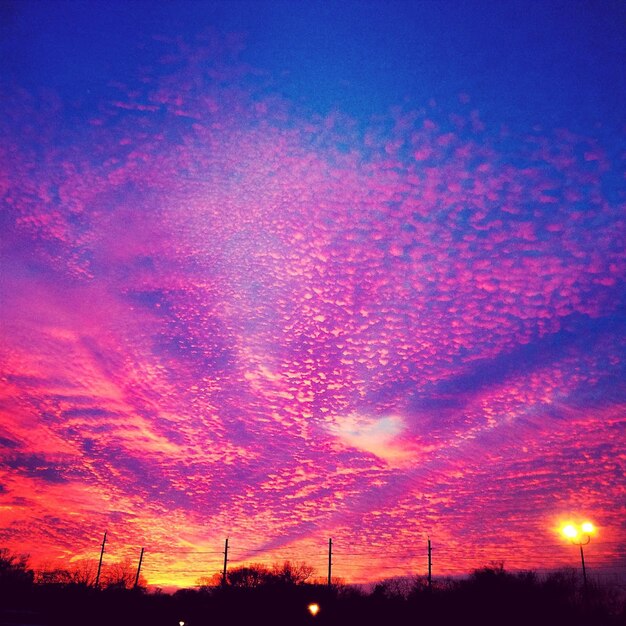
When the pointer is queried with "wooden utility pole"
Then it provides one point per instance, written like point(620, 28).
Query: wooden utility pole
point(138, 569)
point(100, 562)
point(330, 561)
point(225, 563)
point(430, 566)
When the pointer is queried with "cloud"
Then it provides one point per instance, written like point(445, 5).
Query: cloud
point(226, 312)
point(380, 436)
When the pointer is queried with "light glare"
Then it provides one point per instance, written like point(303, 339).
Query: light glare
point(588, 527)
point(314, 608)
point(570, 531)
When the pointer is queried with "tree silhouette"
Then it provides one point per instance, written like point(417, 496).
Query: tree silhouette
point(118, 575)
point(84, 572)
point(16, 577)
point(248, 577)
point(54, 576)
point(14, 567)
point(121, 575)
point(292, 573)
point(257, 575)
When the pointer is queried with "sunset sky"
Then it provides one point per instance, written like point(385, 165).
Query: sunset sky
point(281, 272)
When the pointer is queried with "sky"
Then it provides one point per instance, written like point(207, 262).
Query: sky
point(284, 272)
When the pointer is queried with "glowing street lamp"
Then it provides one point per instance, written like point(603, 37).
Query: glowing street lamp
point(579, 536)
point(314, 608)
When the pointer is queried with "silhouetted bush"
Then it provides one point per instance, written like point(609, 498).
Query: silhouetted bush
point(16, 578)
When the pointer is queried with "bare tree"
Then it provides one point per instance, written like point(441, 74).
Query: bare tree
point(208, 582)
point(258, 574)
point(248, 577)
point(53, 576)
point(395, 587)
point(84, 572)
point(292, 573)
point(121, 575)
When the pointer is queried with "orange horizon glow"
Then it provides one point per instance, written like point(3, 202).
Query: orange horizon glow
point(204, 563)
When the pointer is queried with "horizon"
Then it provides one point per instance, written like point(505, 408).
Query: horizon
point(285, 272)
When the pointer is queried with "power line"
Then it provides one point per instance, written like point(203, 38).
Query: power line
point(402, 558)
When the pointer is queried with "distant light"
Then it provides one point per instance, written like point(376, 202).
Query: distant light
point(588, 528)
point(571, 532)
point(181, 623)
point(314, 608)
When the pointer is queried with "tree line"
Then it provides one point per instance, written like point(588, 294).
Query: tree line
point(288, 594)
point(15, 570)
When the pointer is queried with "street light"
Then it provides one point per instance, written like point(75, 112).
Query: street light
point(314, 608)
point(579, 536)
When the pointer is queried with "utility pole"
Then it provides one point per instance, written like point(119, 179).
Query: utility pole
point(138, 569)
point(100, 562)
point(430, 566)
point(330, 561)
point(225, 563)
point(582, 560)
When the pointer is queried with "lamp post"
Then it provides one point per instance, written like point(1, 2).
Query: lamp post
point(580, 536)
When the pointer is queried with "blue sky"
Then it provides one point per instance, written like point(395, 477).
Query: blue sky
point(520, 61)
